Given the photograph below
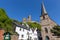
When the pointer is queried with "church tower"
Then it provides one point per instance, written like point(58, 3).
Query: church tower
point(29, 18)
point(46, 24)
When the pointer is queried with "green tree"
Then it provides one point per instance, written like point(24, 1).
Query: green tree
point(5, 21)
point(56, 30)
point(34, 25)
point(3, 15)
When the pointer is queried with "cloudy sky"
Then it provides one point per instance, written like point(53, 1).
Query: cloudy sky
point(18, 9)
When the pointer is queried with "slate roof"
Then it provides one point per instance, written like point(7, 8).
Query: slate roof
point(21, 26)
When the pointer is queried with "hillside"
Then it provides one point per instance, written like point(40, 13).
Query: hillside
point(5, 21)
point(7, 24)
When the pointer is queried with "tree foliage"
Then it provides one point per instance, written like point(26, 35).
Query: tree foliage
point(34, 25)
point(56, 30)
point(3, 15)
point(5, 21)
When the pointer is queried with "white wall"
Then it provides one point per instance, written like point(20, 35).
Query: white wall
point(24, 32)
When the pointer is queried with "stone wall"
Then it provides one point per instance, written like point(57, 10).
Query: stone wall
point(14, 37)
point(1, 34)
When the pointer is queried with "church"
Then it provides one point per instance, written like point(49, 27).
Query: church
point(46, 25)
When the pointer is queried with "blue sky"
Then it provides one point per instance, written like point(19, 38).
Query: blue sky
point(18, 9)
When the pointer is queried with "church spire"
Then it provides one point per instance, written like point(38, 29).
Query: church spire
point(43, 10)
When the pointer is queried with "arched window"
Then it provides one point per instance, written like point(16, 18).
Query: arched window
point(46, 30)
point(47, 38)
point(43, 16)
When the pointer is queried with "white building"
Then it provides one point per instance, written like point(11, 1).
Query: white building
point(26, 33)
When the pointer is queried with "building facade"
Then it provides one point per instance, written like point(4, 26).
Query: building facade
point(46, 25)
point(26, 33)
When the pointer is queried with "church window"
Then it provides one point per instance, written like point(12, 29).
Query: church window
point(47, 38)
point(46, 30)
point(43, 16)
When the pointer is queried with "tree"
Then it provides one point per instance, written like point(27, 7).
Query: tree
point(56, 30)
point(3, 15)
point(34, 25)
point(5, 21)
